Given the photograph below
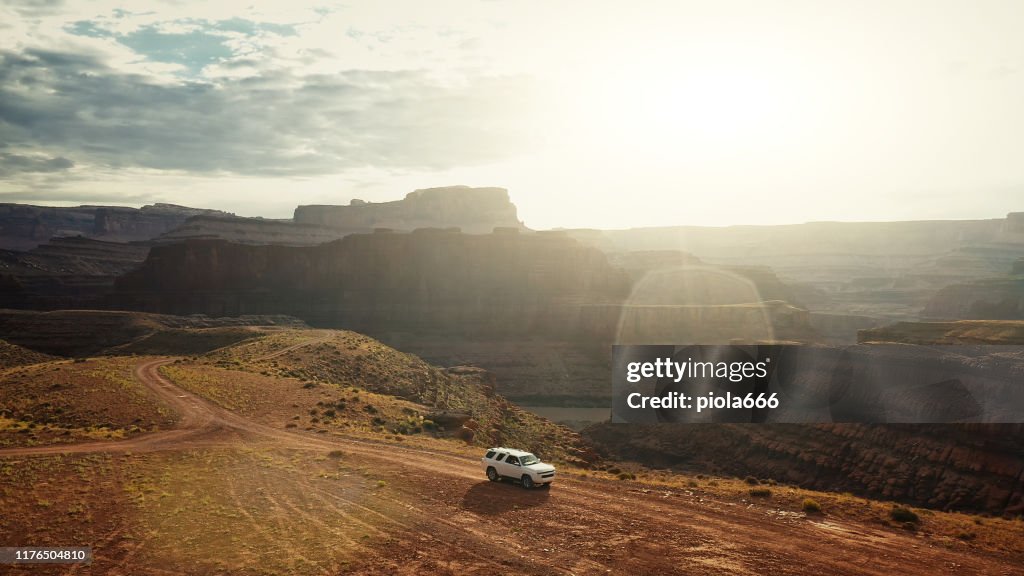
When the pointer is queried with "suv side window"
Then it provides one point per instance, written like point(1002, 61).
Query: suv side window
point(500, 456)
point(490, 455)
point(512, 460)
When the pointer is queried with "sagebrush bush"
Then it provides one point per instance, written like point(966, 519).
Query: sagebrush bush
point(903, 514)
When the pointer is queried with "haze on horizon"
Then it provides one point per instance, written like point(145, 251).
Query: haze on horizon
point(607, 115)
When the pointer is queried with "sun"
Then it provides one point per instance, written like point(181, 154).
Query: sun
point(704, 102)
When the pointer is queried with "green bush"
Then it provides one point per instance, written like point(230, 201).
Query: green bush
point(903, 514)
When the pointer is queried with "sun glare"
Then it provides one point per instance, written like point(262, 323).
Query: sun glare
point(660, 105)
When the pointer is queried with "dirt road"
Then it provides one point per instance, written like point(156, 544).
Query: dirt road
point(436, 513)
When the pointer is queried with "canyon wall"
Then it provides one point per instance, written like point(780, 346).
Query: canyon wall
point(885, 271)
point(988, 299)
point(429, 281)
point(65, 272)
point(970, 467)
point(537, 309)
point(23, 227)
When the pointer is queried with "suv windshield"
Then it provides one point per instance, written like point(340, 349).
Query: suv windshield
point(529, 459)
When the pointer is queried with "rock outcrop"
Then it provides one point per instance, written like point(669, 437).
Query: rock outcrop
point(473, 210)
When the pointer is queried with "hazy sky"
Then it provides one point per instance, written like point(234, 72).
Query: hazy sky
point(599, 114)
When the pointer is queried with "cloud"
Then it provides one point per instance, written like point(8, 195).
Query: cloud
point(292, 90)
point(17, 163)
point(49, 197)
point(272, 124)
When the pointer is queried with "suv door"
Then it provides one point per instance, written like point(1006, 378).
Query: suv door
point(499, 463)
point(512, 467)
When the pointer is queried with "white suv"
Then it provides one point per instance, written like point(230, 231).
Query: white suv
point(508, 463)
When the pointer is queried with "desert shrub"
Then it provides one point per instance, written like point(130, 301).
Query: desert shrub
point(335, 454)
point(626, 476)
point(408, 426)
point(760, 493)
point(811, 506)
point(903, 514)
point(751, 480)
point(370, 409)
point(965, 535)
point(330, 413)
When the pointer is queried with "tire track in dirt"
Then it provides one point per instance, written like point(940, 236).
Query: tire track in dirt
point(426, 519)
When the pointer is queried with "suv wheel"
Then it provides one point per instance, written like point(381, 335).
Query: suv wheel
point(527, 481)
point(492, 474)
